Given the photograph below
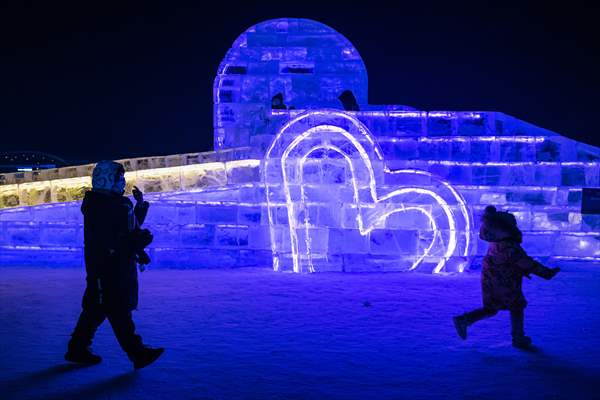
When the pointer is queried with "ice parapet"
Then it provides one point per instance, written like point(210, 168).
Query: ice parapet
point(153, 180)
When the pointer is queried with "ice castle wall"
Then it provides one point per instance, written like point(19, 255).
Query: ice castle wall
point(211, 211)
point(307, 63)
point(223, 221)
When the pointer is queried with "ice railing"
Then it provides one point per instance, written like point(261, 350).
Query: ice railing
point(151, 174)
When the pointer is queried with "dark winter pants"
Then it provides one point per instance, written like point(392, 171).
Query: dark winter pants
point(122, 325)
point(516, 318)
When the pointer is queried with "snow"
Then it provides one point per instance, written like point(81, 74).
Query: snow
point(256, 334)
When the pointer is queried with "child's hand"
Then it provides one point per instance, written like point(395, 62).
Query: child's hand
point(138, 195)
point(143, 258)
point(545, 272)
point(141, 238)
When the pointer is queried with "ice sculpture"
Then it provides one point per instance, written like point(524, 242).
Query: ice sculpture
point(307, 176)
point(325, 162)
point(304, 63)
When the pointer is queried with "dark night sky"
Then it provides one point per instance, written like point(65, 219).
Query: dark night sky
point(129, 79)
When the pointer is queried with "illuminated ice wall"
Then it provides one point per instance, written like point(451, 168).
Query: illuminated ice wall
point(302, 63)
point(299, 183)
point(334, 203)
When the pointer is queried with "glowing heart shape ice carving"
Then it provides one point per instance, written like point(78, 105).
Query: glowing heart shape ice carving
point(345, 137)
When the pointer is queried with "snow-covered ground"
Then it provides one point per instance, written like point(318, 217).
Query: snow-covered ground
point(256, 334)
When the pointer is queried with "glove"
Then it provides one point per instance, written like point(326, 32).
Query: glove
point(142, 238)
point(143, 258)
point(138, 195)
point(553, 272)
point(545, 272)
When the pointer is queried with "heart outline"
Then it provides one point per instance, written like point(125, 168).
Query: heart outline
point(365, 228)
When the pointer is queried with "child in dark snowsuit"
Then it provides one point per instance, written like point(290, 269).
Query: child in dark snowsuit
point(113, 245)
point(504, 266)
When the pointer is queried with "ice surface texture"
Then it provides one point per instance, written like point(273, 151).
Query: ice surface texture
point(307, 63)
point(384, 188)
point(324, 162)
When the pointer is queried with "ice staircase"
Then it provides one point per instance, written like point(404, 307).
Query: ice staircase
point(215, 214)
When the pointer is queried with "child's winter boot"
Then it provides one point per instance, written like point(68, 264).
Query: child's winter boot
point(460, 323)
point(82, 355)
point(146, 356)
point(519, 340)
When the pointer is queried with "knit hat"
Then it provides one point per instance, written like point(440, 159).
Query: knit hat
point(499, 225)
point(106, 174)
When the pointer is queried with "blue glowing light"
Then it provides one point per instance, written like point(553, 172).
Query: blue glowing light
point(303, 181)
point(312, 131)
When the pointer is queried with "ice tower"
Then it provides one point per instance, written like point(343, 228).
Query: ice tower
point(301, 181)
point(305, 62)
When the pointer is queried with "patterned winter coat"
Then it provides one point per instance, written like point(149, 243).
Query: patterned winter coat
point(505, 264)
point(504, 267)
point(112, 238)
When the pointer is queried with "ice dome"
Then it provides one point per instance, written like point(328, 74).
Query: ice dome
point(282, 63)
